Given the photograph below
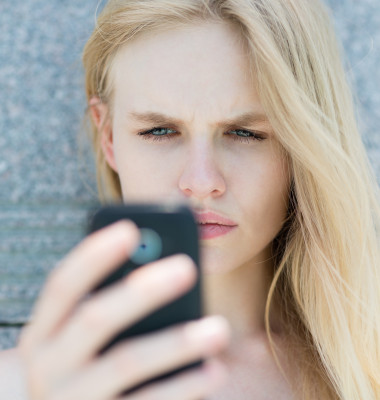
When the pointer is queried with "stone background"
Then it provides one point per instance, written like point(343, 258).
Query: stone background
point(46, 184)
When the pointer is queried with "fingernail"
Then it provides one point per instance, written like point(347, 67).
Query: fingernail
point(213, 332)
point(126, 224)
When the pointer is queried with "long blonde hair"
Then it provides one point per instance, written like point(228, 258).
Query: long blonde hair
point(327, 269)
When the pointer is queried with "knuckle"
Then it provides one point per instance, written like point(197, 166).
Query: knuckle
point(144, 284)
point(141, 285)
point(92, 316)
point(125, 361)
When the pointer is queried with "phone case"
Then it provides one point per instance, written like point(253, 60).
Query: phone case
point(166, 229)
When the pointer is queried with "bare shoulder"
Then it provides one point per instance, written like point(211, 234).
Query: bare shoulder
point(12, 382)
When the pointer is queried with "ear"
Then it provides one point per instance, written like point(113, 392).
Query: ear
point(100, 117)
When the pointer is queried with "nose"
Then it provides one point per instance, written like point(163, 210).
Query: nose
point(202, 175)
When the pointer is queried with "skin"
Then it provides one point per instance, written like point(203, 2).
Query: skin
point(200, 77)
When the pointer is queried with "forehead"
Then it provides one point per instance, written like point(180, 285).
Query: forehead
point(201, 66)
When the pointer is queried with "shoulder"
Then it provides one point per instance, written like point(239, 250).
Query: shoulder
point(12, 382)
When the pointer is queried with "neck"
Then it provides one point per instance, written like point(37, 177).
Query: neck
point(240, 296)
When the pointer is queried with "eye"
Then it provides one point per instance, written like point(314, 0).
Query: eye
point(247, 136)
point(159, 134)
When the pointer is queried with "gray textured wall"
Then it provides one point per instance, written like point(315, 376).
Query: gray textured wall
point(44, 188)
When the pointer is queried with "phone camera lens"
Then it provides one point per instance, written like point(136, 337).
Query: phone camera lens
point(149, 248)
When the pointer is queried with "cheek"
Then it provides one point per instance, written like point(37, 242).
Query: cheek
point(266, 199)
point(143, 173)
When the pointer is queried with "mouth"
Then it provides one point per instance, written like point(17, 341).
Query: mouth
point(210, 230)
point(213, 218)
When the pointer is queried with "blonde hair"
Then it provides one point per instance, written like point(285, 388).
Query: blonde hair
point(327, 275)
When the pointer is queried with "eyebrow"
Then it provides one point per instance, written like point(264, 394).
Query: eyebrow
point(156, 118)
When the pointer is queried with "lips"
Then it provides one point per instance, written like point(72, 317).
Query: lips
point(211, 231)
point(210, 217)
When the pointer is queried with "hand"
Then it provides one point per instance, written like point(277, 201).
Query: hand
point(59, 347)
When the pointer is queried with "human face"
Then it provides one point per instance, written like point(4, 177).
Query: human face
point(198, 76)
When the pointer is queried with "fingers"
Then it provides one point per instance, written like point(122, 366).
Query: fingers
point(85, 266)
point(98, 320)
point(60, 347)
point(141, 358)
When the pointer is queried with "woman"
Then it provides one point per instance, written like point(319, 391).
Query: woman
point(241, 108)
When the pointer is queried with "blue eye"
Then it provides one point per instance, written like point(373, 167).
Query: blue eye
point(248, 136)
point(148, 135)
point(159, 133)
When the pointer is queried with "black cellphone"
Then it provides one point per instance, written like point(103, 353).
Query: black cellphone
point(166, 229)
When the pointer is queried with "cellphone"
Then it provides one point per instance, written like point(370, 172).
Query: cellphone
point(165, 229)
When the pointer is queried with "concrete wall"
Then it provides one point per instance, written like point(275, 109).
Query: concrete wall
point(45, 187)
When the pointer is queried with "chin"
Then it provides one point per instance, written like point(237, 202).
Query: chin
point(211, 265)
